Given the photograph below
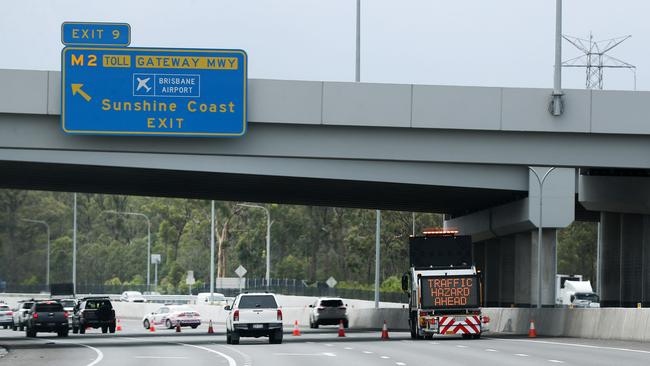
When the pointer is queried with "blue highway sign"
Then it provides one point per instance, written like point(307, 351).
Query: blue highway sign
point(159, 92)
point(95, 34)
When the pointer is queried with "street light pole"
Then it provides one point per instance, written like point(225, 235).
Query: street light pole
point(357, 69)
point(268, 239)
point(47, 228)
point(539, 234)
point(212, 252)
point(74, 246)
point(377, 256)
point(148, 239)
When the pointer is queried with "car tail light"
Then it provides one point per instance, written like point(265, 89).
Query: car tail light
point(235, 316)
point(10, 313)
point(279, 314)
point(35, 315)
point(65, 314)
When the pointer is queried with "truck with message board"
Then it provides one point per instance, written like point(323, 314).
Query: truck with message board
point(444, 286)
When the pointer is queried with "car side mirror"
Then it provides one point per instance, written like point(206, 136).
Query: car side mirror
point(311, 306)
point(227, 307)
point(405, 282)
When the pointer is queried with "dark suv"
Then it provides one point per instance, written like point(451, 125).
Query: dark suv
point(94, 312)
point(46, 316)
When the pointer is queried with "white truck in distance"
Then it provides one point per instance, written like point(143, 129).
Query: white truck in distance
point(571, 290)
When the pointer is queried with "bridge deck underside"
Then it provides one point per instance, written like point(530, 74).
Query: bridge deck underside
point(247, 187)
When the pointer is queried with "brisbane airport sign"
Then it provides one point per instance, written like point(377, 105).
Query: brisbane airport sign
point(108, 89)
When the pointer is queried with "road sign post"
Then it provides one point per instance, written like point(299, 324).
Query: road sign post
point(153, 92)
point(155, 260)
point(189, 280)
point(241, 272)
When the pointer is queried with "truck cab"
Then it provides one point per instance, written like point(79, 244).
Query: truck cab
point(444, 287)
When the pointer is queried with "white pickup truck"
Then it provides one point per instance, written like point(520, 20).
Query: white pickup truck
point(254, 315)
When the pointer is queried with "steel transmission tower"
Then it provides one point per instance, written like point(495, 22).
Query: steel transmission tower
point(595, 58)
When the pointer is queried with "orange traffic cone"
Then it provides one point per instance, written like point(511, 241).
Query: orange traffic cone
point(152, 328)
point(119, 326)
point(178, 327)
point(531, 331)
point(341, 330)
point(384, 331)
point(296, 330)
point(210, 329)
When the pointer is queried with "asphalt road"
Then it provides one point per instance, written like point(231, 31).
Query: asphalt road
point(136, 346)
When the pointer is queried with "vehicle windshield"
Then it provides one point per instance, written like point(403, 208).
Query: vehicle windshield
point(181, 308)
point(257, 301)
point(96, 304)
point(27, 305)
point(331, 303)
point(587, 296)
point(67, 303)
point(4, 307)
point(46, 307)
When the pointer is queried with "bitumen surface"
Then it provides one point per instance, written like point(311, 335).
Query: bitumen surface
point(135, 345)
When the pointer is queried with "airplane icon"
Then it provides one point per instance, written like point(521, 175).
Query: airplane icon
point(142, 83)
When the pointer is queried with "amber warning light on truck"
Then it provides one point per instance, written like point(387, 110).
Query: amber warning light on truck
point(450, 291)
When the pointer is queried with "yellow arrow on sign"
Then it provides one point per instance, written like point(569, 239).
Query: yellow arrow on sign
point(76, 88)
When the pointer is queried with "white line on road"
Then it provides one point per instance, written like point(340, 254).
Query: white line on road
point(98, 359)
point(556, 361)
point(461, 346)
point(231, 361)
point(367, 352)
point(348, 348)
point(162, 357)
point(490, 350)
point(435, 343)
point(328, 354)
point(248, 361)
point(571, 345)
point(400, 364)
point(385, 357)
point(521, 354)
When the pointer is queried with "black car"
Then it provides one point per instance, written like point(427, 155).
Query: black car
point(94, 312)
point(46, 316)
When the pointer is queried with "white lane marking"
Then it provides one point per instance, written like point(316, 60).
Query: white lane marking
point(98, 359)
point(385, 357)
point(162, 357)
point(461, 346)
point(556, 361)
point(572, 345)
point(348, 348)
point(248, 361)
point(400, 364)
point(490, 350)
point(367, 352)
point(435, 343)
point(231, 361)
point(328, 354)
point(329, 345)
point(521, 354)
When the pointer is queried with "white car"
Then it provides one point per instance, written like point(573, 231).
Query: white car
point(132, 296)
point(254, 315)
point(20, 314)
point(328, 311)
point(203, 298)
point(171, 315)
point(6, 316)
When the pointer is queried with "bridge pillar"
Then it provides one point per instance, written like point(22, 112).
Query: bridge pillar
point(624, 259)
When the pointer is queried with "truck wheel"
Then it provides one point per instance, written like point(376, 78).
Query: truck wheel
point(82, 329)
point(476, 336)
point(316, 324)
point(14, 328)
point(104, 329)
point(111, 328)
point(234, 338)
point(467, 336)
point(275, 337)
point(168, 324)
point(146, 324)
point(228, 339)
point(75, 330)
point(22, 328)
point(414, 330)
point(195, 326)
point(5, 326)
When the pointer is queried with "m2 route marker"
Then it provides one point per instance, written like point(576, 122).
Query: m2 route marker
point(154, 92)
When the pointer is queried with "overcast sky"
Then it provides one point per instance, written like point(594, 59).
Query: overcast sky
point(460, 42)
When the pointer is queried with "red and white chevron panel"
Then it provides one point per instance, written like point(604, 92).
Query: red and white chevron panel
point(467, 325)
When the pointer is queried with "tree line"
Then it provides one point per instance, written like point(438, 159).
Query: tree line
point(307, 242)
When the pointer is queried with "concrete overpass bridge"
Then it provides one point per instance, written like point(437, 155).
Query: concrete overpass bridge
point(463, 151)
